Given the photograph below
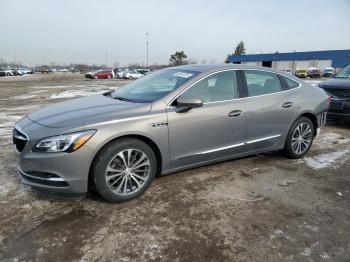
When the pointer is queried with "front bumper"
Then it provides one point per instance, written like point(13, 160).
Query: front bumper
point(339, 109)
point(53, 172)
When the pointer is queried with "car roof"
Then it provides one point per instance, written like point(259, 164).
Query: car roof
point(216, 67)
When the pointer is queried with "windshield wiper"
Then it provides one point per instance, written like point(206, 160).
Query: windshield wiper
point(124, 99)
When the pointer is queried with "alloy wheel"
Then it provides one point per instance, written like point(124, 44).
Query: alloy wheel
point(128, 171)
point(301, 138)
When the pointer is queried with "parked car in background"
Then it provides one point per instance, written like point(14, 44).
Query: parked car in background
point(328, 72)
point(100, 74)
point(143, 71)
point(314, 73)
point(338, 89)
point(302, 73)
point(6, 72)
point(27, 71)
point(2, 71)
point(120, 73)
point(287, 71)
point(17, 71)
point(132, 74)
point(44, 70)
point(173, 119)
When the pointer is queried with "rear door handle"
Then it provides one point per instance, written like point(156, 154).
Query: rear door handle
point(235, 113)
point(287, 104)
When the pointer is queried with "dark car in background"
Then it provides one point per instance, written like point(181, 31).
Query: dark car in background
point(338, 89)
point(2, 72)
point(314, 73)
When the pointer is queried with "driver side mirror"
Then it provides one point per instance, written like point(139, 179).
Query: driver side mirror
point(184, 103)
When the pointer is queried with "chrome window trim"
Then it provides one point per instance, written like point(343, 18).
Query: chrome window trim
point(238, 98)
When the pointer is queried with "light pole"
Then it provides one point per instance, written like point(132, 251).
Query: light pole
point(147, 40)
point(293, 63)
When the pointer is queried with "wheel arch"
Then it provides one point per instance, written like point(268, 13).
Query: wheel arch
point(313, 119)
point(143, 138)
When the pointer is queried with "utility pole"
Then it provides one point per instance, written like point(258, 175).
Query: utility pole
point(293, 63)
point(147, 42)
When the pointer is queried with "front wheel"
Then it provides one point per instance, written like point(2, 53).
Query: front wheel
point(124, 169)
point(299, 139)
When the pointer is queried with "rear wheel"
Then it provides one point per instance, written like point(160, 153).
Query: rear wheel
point(299, 139)
point(124, 169)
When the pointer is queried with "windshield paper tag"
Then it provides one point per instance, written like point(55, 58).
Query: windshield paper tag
point(183, 74)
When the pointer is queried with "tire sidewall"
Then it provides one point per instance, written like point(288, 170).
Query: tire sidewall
point(104, 158)
point(288, 145)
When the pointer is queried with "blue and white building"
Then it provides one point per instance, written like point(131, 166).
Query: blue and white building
point(337, 59)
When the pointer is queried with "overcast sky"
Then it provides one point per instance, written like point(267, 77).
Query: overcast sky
point(80, 31)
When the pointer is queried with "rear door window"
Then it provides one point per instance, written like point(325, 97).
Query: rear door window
point(261, 82)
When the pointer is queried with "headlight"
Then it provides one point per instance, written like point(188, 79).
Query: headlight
point(64, 143)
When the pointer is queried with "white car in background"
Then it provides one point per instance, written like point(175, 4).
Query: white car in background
point(120, 73)
point(133, 74)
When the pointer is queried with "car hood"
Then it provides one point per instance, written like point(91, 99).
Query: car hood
point(87, 110)
point(336, 83)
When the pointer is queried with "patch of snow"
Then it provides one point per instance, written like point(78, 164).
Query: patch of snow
point(306, 252)
point(7, 122)
point(314, 82)
point(49, 87)
point(326, 159)
point(309, 227)
point(23, 108)
point(280, 234)
point(23, 97)
point(340, 194)
point(39, 91)
point(326, 140)
point(75, 93)
point(325, 256)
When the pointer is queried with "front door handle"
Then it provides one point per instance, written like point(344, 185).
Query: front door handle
point(235, 113)
point(287, 104)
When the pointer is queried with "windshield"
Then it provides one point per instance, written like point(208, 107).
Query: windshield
point(154, 86)
point(345, 73)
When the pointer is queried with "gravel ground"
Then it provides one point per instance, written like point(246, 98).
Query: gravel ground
point(259, 208)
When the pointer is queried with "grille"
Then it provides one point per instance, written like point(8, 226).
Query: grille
point(341, 93)
point(19, 139)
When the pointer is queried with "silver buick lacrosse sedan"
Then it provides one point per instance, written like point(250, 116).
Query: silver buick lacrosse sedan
point(170, 120)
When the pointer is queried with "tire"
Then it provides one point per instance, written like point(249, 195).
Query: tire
point(8, 74)
point(113, 184)
point(297, 146)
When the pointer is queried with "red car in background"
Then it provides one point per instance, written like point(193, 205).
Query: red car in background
point(99, 74)
point(314, 73)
